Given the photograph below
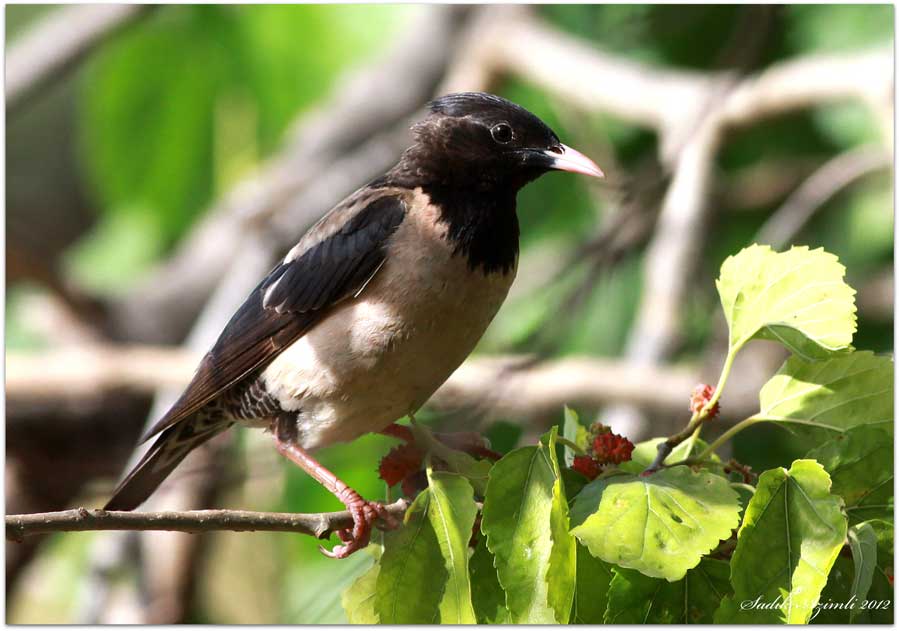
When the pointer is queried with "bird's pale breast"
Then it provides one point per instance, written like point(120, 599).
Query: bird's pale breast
point(380, 356)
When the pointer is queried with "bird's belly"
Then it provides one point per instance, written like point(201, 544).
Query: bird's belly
point(381, 356)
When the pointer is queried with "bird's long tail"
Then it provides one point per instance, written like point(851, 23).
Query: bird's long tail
point(167, 452)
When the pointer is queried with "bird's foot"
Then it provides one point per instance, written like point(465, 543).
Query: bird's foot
point(365, 514)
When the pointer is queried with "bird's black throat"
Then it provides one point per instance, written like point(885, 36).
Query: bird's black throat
point(477, 204)
point(482, 224)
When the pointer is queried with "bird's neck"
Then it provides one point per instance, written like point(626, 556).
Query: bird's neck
point(482, 226)
point(479, 213)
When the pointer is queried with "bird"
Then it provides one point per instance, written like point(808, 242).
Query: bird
point(374, 307)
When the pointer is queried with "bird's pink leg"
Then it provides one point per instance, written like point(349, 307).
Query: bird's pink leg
point(364, 513)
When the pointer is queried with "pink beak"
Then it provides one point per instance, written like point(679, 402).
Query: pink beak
point(575, 162)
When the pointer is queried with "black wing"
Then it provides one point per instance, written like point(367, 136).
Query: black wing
point(333, 261)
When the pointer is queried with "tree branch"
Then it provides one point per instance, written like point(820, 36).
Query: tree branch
point(513, 385)
point(832, 177)
point(319, 525)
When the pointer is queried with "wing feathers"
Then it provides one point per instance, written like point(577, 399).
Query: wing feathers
point(296, 295)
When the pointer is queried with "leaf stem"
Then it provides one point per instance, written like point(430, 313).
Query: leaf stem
point(570, 444)
point(694, 427)
point(730, 433)
point(722, 379)
point(665, 447)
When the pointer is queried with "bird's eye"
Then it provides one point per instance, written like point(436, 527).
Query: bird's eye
point(502, 133)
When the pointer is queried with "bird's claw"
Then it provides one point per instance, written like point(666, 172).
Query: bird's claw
point(365, 515)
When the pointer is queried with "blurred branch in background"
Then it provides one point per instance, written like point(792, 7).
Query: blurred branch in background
point(499, 387)
point(59, 42)
point(832, 177)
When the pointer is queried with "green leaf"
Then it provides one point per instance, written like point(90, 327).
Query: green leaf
point(644, 453)
point(573, 482)
point(797, 298)
point(638, 599)
point(575, 432)
point(411, 581)
point(592, 590)
point(521, 520)
point(837, 605)
point(359, 598)
point(863, 545)
point(792, 531)
point(474, 470)
point(561, 576)
point(860, 464)
point(487, 594)
point(452, 512)
point(843, 392)
point(661, 524)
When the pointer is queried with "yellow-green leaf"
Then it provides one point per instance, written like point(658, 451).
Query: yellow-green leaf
point(561, 575)
point(412, 578)
point(359, 598)
point(797, 298)
point(521, 519)
point(842, 392)
point(452, 512)
point(660, 525)
point(791, 535)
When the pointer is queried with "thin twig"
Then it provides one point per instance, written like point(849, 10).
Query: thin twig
point(319, 525)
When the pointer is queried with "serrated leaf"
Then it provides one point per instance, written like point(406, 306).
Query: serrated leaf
point(358, 599)
point(591, 593)
point(797, 298)
point(842, 392)
point(452, 512)
point(517, 519)
point(860, 464)
point(660, 525)
point(575, 432)
point(474, 470)
point(644, 453)
point(792, 532)
point(837, 606)
point(638, 599)
point(410, 583)
point(487, 595)
point(561, 576)
point(863, 545)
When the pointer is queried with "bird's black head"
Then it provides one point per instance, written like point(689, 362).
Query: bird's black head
point(472, 153)
point(483, 141)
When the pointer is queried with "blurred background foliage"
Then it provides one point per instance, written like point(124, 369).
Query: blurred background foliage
point(172, 113)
